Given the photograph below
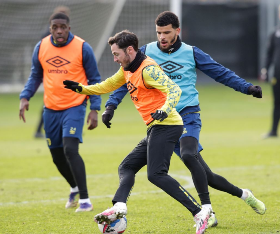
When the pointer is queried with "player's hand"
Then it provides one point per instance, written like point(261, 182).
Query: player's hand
point(108, 115)
point(159, 115)
point(92, 119)
point(74, 86)
point(23, 105)
point(255, 90)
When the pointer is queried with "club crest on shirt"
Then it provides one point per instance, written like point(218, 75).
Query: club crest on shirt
point(72, 131)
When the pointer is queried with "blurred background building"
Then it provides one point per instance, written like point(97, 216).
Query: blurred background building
point(233, 32)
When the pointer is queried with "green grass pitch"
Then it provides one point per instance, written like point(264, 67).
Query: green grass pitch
point(33, 194)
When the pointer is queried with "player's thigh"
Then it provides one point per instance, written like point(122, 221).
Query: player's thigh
point(161, 143)
point(192, 125)
point(137, 158)
point(177, 149)
point(73, 122)
point(53, 128)
point(188, 145)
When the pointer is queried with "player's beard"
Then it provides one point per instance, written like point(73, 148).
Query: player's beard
point(171, 44)
point(126, 61)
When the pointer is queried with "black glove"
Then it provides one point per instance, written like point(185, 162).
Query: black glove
point(256, 91)
point(74, 86)
point(108, 115)
point(159, 115)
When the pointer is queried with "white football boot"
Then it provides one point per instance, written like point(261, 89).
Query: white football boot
point(212, 221)
point(118, 211)
point(201, 220)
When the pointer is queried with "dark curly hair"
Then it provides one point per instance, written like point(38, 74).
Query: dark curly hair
point(124, 39)
point(59, 15)
point(167, 17)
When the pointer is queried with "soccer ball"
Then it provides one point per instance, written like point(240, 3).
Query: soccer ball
point(116, 227)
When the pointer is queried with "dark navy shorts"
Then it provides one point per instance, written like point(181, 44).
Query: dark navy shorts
point(192, 127)
point(66, 123)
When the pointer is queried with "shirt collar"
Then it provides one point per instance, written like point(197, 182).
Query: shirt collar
point(135, 64)
point(69, 39)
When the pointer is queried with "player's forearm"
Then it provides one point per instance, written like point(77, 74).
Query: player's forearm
point(172, 99)
point(104, 87)
point(31, 87)
point(218, 72)
point(110, 84)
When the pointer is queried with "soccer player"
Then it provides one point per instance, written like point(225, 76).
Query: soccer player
point(53, 61)
point(273, 58)
point(180, 62)
point(39, 128)
point(154, 96)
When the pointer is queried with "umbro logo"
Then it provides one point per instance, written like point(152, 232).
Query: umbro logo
point(57, 61)
point(131, 88)
point(170, 67)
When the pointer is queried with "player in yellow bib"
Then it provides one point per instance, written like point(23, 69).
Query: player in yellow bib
point(155, 96)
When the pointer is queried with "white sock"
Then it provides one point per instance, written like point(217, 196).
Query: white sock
point(122, 205)
point(244, 194)
point(87, 200)
point(207, 206)
point(74, 190)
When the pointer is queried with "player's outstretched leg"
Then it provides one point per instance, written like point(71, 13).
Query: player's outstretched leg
point(118, 211)
point(201, 220)
point(257, 205)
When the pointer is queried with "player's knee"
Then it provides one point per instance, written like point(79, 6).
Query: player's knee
point(189, 159)
point(70, 145)
point(58, 156)
point(212, 179)
point(121, 168)
point(154, 177)
point(70, 151)
point(189, 153)
point(59, 161)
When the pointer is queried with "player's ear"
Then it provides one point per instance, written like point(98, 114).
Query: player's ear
point(178, 30)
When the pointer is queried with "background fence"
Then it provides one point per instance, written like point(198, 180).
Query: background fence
point(233, 32)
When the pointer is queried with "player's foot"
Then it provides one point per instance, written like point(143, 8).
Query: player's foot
point(118, 211)
point(212, 221)
point(84, 207)
point(270, 135)
point(201, 220)
point(257, 205)
point(73, 200)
